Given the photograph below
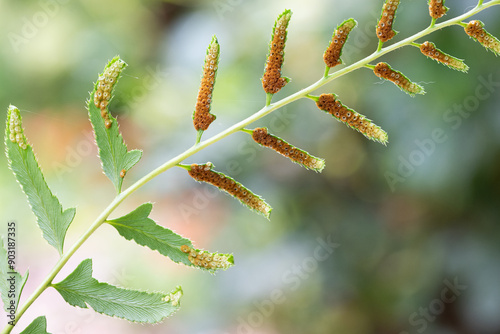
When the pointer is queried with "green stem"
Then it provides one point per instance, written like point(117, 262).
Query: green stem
point(247, 131)
point(380, 44)
point(198, 136)
point(312, 97)
point(223, 134)
point(269, 97)
point(327, 70)
point(433, 22)
point(186, 167)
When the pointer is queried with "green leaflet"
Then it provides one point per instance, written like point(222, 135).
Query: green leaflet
point(144, 231)
point(112, 149)
point(81, 289)
point(51, 218)
point(38, 326)
point(11, 282)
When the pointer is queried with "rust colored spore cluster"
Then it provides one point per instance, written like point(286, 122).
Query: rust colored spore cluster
point(437, 8)
point(262, 137)
point(475, 29)
point(202, 117)
point(429, 49)
point(384, 27)
point(105, 85)
point(330, 104)
point(383, 70)
point(204, 173)
point(206, 260)
point(272, 82)
point(334, 51)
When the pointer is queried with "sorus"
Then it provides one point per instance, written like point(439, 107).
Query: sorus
point(202, 118)
point(272, 82)
point(358, 122)
point(106, 82)
point(15, 127)
point(384, 70)
point(475, 29)
point(429, 49)
point(204, 173)
point(262, 137)
point(384, 26)
point(211, 261)
point(437, 8)
point(334, 51)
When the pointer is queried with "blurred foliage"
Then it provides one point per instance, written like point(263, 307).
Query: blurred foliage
point(398, 247)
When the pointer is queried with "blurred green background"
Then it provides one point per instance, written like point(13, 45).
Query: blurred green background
point(414, 225)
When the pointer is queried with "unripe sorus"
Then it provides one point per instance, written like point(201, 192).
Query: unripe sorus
point(15, 127)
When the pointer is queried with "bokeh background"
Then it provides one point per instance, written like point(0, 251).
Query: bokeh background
point(413, 227)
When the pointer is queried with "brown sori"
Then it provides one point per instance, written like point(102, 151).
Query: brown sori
point(384, 27)
point(272, 82)
point(330, 104)
point(202, 118)
point(383, 70)
point(262, 137)
point(475, 30)
point(334, 51)
point(437, 8)
point(430, 50)
point(204, 173)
